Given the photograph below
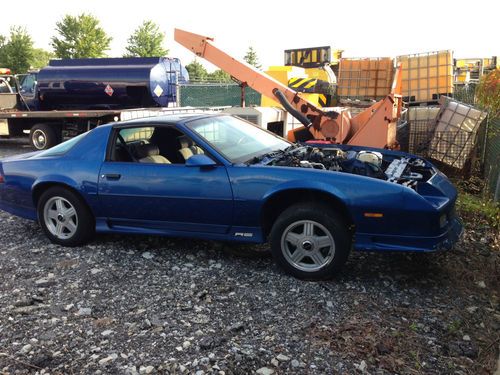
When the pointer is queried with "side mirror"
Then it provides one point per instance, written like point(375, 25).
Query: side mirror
point(200, 160)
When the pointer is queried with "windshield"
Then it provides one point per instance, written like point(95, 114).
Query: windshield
point(237, 140)
point(62, 148)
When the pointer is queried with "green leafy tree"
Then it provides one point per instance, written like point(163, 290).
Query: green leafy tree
point(197, 71)
point(252, 58)
point(488, 93)
point(40, 58)
point(16, 51)
point(146, 41)
point(79, 37)
point(219, 76)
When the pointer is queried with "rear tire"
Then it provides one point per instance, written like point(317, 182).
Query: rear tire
point(310, 241)
point(64, 217)
point(43, 136)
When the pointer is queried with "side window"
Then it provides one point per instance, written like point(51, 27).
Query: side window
point(27, 83)
point(153, 144)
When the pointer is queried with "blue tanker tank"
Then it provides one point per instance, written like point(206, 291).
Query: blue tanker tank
point(109, 83)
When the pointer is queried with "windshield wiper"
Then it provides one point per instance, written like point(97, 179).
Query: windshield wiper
point(270, 154)
point(291, 147)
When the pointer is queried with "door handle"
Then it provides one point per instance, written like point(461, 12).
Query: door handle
point(112, 176)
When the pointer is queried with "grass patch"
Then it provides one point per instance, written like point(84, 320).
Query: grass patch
point(478, 208)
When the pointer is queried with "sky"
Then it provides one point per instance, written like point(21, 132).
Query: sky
point(374, 28)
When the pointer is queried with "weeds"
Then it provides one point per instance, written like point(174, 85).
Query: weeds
point(454, 326)
point(479, 208)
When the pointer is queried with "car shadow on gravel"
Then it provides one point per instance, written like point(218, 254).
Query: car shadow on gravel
point(369, 267)
point(361, 267)
point(364, 267)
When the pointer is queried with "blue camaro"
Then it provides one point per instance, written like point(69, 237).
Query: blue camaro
point(221, 178)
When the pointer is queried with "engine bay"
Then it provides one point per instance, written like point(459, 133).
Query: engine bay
point(406, 171)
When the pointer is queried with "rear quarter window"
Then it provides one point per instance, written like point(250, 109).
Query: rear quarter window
point(62, 148)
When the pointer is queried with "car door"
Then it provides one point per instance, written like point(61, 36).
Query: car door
point(171, 197)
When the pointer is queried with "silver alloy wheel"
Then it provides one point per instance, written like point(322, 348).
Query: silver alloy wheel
point(60, 217)
point(39, 139)
point(307, 245)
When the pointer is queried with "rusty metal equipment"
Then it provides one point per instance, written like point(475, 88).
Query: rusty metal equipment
point(447, 134)
point(426, 76)
point(455, 132)
point(365, 78)
point(374, 127)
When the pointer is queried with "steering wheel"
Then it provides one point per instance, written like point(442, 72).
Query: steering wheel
point(127, 149)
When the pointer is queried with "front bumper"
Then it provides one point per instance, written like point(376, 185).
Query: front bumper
point(445, 241)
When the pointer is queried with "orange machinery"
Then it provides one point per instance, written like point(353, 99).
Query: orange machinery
point(374, 127)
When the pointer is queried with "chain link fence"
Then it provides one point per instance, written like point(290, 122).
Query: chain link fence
point(465, 93)
point(207, 94)
point(492, 159)
point(488, 142)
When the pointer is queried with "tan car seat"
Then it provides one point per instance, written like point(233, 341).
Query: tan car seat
point(150, 153)
point(188, 148)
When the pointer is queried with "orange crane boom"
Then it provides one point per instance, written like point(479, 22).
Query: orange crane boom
point(375, 127)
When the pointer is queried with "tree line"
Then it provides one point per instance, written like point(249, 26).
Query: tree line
point(82, 36)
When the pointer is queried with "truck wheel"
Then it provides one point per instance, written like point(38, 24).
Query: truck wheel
point(43, 136)
point(310, 242)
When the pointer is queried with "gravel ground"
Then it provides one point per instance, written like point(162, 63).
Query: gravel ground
point(136, 304)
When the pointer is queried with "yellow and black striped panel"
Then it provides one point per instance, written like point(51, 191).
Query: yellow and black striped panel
point(300, 84)
point(308, 57)
point(322, 100)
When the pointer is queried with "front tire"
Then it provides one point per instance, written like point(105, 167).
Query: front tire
point(64, 217)
point(310, 242)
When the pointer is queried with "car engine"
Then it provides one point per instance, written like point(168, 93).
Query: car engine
point(407, 171)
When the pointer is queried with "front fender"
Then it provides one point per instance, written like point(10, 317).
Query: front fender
point(254, 185)
point(307, 185)
point(364, 198)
